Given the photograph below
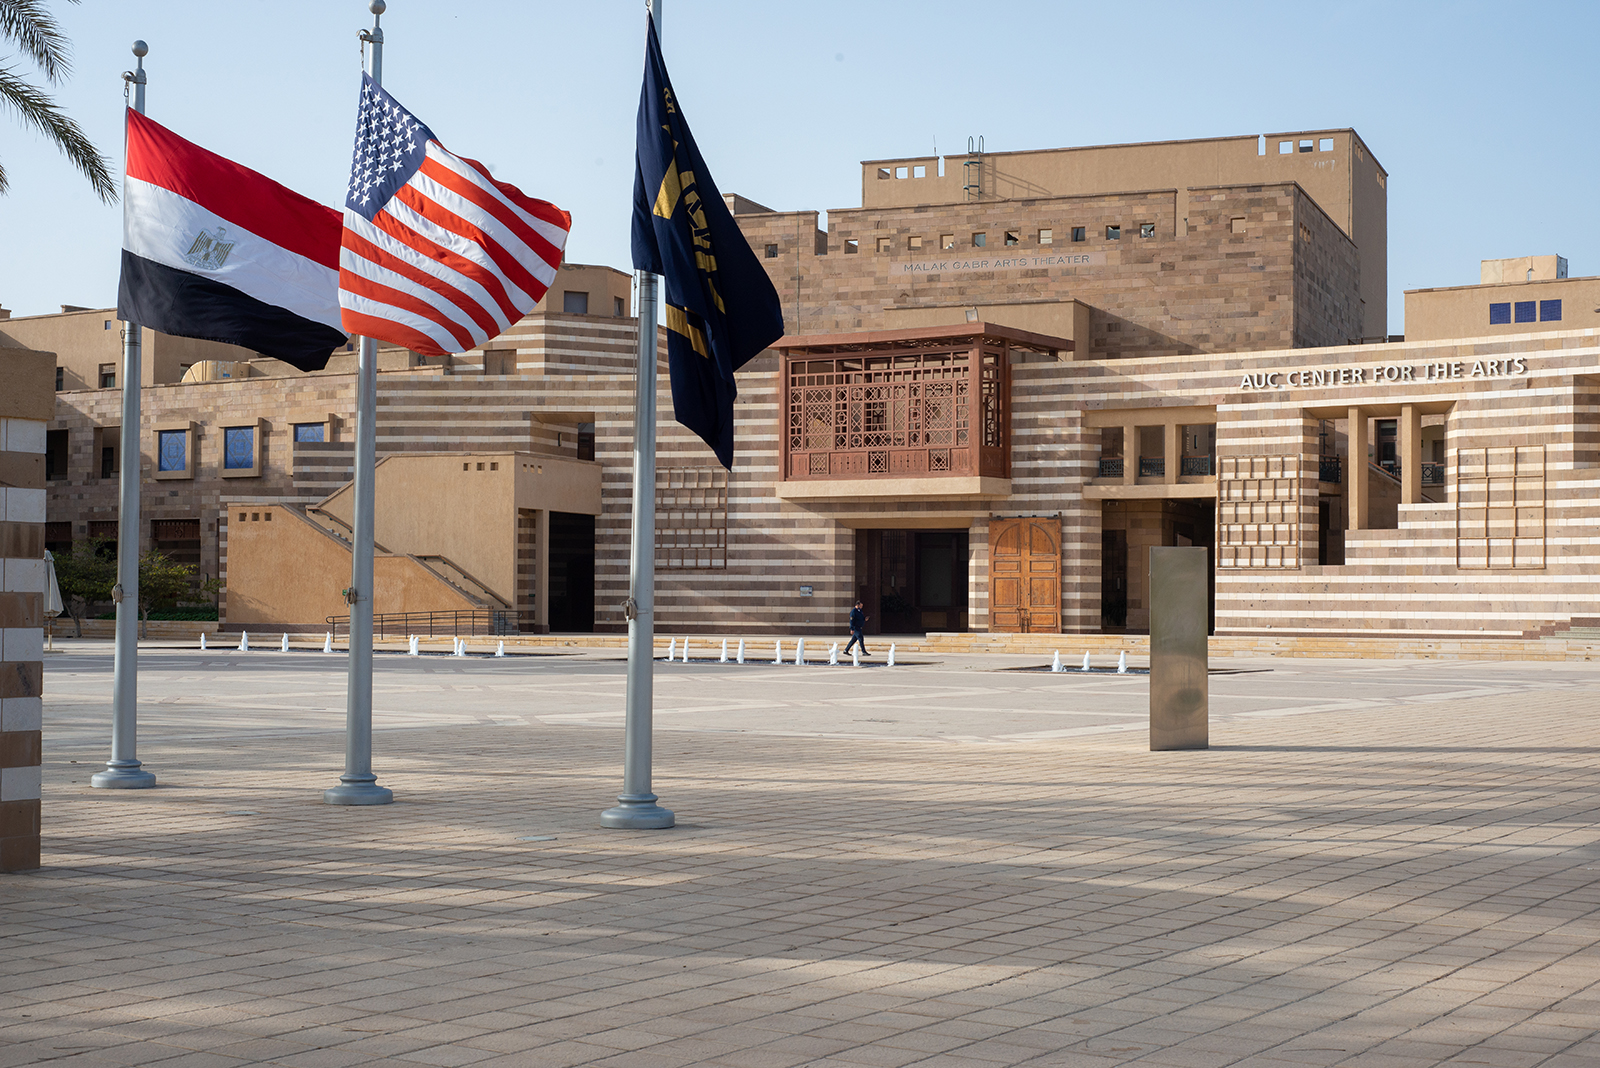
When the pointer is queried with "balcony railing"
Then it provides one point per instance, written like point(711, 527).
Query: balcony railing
point(1432, 474)
point(1195, 465)
point(905, 411)
point(1111, 467)
point(1155, 468)
point(1330, 469)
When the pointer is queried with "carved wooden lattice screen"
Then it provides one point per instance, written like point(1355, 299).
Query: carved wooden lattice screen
point(1500, 508)
point(1258, 512)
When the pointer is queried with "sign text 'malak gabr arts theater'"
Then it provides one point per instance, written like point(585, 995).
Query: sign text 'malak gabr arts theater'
point(1004, 378)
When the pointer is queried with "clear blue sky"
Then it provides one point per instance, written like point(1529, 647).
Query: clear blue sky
point(1483, 114)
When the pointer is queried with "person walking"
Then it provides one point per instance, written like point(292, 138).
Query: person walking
point(858, 629)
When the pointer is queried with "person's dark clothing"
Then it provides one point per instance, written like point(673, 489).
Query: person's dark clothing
point(858, 623)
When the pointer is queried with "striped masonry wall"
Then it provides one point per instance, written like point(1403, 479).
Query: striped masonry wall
point(22, 585)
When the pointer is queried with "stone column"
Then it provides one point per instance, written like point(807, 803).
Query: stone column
point(1410, 454)
point(1355, 477)
point(541, 571)
point(1130, 454)
point(1172, 443)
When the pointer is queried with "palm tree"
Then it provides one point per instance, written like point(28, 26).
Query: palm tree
point(30, 27)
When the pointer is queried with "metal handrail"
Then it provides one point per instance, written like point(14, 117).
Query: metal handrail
point(1152, 468)
point(1330, 469)
point(1111, 467)
point(433, 624)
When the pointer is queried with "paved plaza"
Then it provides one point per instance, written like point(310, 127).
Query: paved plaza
point(947, 863)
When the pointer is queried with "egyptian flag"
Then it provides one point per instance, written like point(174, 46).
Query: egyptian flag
point(214, 250)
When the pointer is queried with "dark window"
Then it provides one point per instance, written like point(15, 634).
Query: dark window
point(1549, 311)
point(617, 308)
point(575, 303)
point(108, 376)
point(61, 379)
point(108, 461)
point(239, 448)
point(172, 452)
point(1113, 233)
point(1079, 234)
point(586, 441)
point(1523, 311)
point(772, 252)
point(55, 455)
point(1499, 313)
point(308, 432)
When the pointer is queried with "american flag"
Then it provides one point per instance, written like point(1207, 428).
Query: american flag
point(437, 255)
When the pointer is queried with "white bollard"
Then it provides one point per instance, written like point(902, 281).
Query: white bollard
point(500, 650)
point(855, 656)
point(1055, 661)
point(724, 659)
point(672, 649)
point(202, 641)
point(244, 641)
point(283, 647)
point(327, 643)
point(800, 653)
point(891, 655)
point(411, 647)
point(833, 654)
point(1085, 666)
point(686, 650)
point(741, 650)
point(1122, 663)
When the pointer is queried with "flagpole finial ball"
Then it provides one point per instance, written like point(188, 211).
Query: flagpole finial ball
point(141, 49)
point(377, 7)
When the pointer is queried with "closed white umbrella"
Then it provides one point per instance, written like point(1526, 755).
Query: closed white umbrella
point(52, 594)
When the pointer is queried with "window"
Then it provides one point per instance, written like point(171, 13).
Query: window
point(108, 462)
point(852, 247)
point(1305, 233)
point(919, 171)
point(1113, 233)
point(1306, 146)
point(1013, 237)
point(691, 518)
point(1147, 229)
point(1325, 145)
point(914, 244)
point(1500, 314)
point(499, 362)
point(586, 441)
point(1549, 311)
point(772, 252)
point(902, 172)
point(947, 241)
point(885, 244)
point(1285, 148)
point(309, 432)
point(617, 308)
point(61, 379)
point(883, 173)
point(110, 324)
point(1523, 311)
point(1236, 224)
point(172, 450)
point(1080, 233)
point(55, 455)
point(1046, 236)
point(574, 302)
point(241, 454)
point(108, 376)
point(979, 240)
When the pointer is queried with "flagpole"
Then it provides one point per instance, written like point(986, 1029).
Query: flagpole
point(358, 785)
point(123, 770)
point(637, 808)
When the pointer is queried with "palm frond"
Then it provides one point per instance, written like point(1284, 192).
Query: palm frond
point(37, 33)
point(38, 110)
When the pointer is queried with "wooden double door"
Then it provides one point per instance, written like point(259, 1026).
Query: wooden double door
point(1025, 575)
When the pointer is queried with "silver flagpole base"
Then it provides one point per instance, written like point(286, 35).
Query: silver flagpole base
point(638, 812)
point(122, 775)
point(358, 790)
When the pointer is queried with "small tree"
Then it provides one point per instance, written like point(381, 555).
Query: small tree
point(163, 583)
point(86, 572)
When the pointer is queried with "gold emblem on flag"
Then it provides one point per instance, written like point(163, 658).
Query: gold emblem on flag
point(209, 252)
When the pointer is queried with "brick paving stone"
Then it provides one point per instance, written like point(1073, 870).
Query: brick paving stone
point(1404, 885)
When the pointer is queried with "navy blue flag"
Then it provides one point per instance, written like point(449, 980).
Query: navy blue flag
point(721, 306)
